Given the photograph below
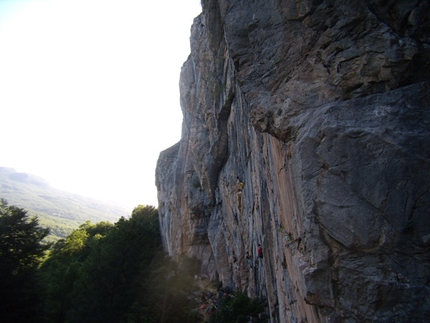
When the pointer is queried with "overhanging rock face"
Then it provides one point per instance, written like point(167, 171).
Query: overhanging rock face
point(322, 110)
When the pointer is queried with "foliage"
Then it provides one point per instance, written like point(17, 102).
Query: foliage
point(63, 269)
point(115, 273)
point(111, 274)
point(239, 308)
point(21, 250)
point(58, 275)
point(99, 273)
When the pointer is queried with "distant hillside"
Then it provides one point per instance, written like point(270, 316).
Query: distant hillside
point(59, 210)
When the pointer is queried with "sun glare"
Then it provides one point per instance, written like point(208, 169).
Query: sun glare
point(89, 91)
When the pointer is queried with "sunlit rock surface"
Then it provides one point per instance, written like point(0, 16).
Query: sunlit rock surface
point(322, 110)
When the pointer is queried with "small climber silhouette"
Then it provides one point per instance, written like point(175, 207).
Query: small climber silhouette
point(240, 184)
point(239, 189)
point(260, 251)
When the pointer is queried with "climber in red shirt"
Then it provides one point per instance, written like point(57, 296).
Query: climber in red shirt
point(260, 251)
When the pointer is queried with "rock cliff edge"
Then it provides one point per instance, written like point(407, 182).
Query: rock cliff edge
point(321, 109)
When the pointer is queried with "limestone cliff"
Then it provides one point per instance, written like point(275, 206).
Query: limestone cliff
point(321, 109)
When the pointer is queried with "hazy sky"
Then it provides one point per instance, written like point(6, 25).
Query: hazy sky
point(89, 91)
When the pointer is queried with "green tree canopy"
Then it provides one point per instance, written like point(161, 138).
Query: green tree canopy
point(94, 274)
point(118, 273)
point(21, 250)
point(63, 269)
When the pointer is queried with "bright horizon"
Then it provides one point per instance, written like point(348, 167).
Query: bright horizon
point(89, 92)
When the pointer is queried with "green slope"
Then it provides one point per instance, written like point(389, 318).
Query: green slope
point(60, 211)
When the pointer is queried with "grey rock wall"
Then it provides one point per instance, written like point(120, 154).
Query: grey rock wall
point(321, 108)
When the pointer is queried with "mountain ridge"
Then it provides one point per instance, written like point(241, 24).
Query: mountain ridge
point(59, 210)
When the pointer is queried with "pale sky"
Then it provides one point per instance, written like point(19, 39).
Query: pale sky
point(89, 91)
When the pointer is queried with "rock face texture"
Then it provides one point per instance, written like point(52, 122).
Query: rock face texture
point(321, 108)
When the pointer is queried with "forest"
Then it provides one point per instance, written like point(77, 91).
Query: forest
point(106, 272)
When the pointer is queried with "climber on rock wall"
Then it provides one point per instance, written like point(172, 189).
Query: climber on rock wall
point(239, 189)
point(239, 184)
point(260, 251)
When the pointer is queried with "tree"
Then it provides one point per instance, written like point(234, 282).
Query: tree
point(21, 251)
point(109, 281)
point(118, 273)
point(94, 274)
point(61, 272)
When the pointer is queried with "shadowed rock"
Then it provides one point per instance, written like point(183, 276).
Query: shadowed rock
point(321, 108)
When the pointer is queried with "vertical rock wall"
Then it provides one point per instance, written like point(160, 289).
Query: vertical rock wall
point(321, 108)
